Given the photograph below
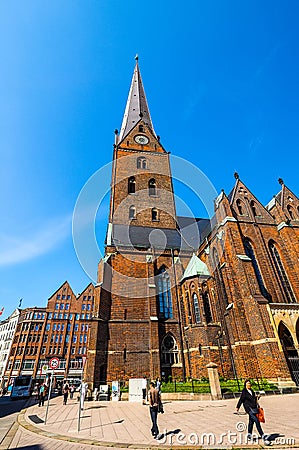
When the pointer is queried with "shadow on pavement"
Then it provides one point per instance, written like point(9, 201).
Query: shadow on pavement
point(28, 447)
point(168, 433)
point(176, 431)
point(273, 436)
point(35, 419)
point(94, 407)
point(103, 425)
point(7, 406)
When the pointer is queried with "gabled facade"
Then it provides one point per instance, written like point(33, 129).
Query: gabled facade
point(26, 345)
point(7, 332)
point(165, 307)
point(60, 329)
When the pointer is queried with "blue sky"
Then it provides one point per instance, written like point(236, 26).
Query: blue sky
point(222, 83)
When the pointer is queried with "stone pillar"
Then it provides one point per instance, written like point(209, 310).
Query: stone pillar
point(214, 381)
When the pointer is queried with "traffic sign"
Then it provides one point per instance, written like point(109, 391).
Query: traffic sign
point(44, 369)
point(54, 363)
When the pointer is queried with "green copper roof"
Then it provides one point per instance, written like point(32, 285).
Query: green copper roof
point(196, 268)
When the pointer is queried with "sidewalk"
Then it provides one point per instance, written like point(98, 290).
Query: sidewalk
point(185, 424)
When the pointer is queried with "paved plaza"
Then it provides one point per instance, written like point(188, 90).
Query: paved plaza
point(185, 424)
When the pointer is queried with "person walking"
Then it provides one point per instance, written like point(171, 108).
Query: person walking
point(65, 391)
point(144, 389)
point(41, 394)
point(158, 384)
point(249, 401)
point(154, 399)
point(72, 390)
point(83, 392)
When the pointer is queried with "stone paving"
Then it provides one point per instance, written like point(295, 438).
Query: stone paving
point(185, 424)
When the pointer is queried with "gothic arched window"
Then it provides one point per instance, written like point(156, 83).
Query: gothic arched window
point(250, 253)
point(291, 212)
point(141, 163)
point(196, 308)
point(206, 307)
point(164, 294)
point(219, 279)
point(152, 189)
point(155, 216)
point(287, 289)
point(131, 185)
point(132, 212)
point(239, 206)
point(253, 208)
point(169, 351)
point(188, 306)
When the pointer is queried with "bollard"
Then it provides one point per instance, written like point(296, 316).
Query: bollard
point(214, 381)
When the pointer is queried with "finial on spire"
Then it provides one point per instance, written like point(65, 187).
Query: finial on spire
point(280, 181)
point(236, 175)
point(136, 57)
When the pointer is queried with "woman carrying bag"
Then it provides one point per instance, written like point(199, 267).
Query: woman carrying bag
point(249, 401)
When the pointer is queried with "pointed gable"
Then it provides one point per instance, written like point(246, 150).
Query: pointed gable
point(64, 288)
point(63, 293)
point(246, 207)
point(287, 202)
point(223, 210)
point(88, 292)
point(140, 138)
point(196, 267)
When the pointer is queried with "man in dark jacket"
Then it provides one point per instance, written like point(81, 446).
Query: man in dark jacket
point(249, 401)
point(154, 399)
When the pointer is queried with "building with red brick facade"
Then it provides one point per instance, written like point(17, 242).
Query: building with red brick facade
point(177, 293)
point(60, 329)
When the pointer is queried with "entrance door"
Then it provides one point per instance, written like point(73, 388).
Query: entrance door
point(290, 351)
point(294, 367)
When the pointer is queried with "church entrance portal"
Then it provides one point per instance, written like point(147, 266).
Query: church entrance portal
point(289, 349)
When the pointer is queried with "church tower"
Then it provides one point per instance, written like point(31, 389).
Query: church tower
point(141, 191)
point(138, 328)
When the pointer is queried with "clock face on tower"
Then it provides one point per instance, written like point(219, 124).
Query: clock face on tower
point(140, 139)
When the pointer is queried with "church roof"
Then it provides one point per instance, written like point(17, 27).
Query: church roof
point(188, 236)
point(146, 237)
point(137, 107)
point(195, 268)
point(194, 230)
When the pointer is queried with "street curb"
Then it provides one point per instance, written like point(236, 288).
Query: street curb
point(8, 438)
point(22, 422)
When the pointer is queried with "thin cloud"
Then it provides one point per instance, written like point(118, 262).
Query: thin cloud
point(267, 60)
point(256, 142)
point(14, 250)
point(193, 100)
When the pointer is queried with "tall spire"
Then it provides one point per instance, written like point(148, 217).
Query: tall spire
point(136, 107)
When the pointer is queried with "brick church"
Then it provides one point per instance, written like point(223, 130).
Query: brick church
point(176, 293)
